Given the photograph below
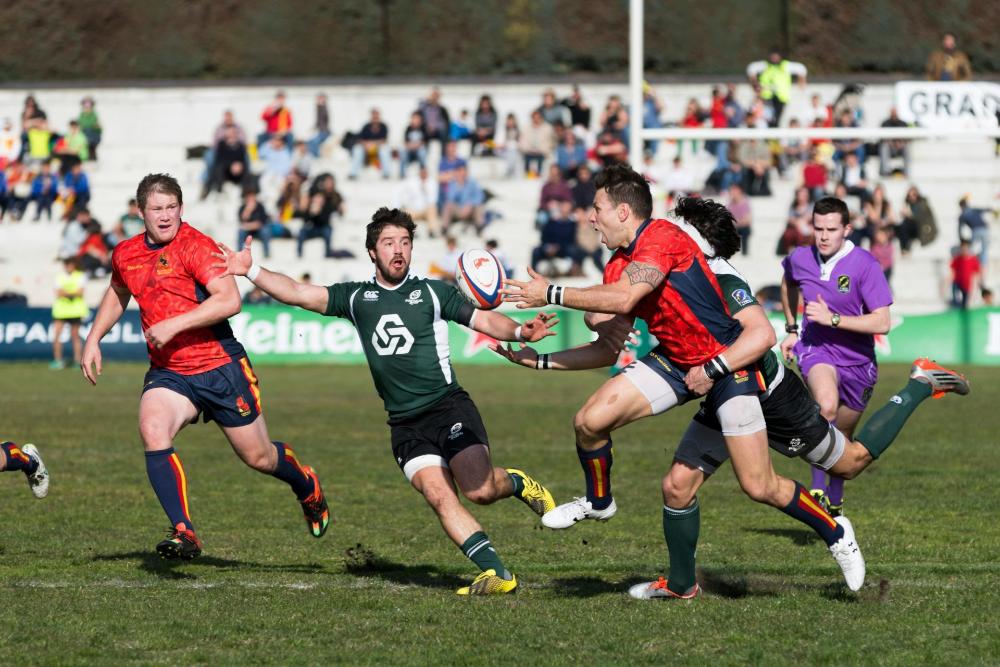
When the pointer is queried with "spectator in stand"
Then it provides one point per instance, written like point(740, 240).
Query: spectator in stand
point(257, 297)
point(652, 109)
point(815, 175)
point(588, 240)
point(852, 177)
point(559, 241)
point(447, 168)
point(735, 113)
point(755, 156)
point(3, 192)
point(372, 147)
point(882, 250)
point(485, 130)
point(878, 212)
point(129, 224)
point(228, 123)
point(277, 121)
point(793, 151)
point(579, 112)
point(843, 147)
point(288, 204)
point(610, 149)
point(418, 198)
point(537, 141)
point(817, 112)
point(973, 226)
point(554, 113)
point(555, 191)
point(437, 123)
point(322, 126)
point(570, 154)
point(444, 268)
point(68, 308)
point(32, 116)
point(888, 149)
point(987, 296)
point(17, 186)
point(253, 221)
point(775, 76)
point(494, 247)
point(302, 160)
point(321, 204)
point(39, 143)
point(693, 118)
point(583, 189)
point(276, 171)
point(230, 163)
point(464, 202)
point(677, 181)
point(10, 144)
point(414, 144)
point(90, 125)
point(966, 271)
point(76, 188)
point(614, 119)
point(95, 256)
point(511, 144)
point(74, 233)
point(71, 148)
point(917, 221)
point(739, 206)
point(798, 226)
point(44, 190)
point(461, 128)
point(948, 63)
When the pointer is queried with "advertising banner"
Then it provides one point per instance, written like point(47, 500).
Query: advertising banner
point(948, 104)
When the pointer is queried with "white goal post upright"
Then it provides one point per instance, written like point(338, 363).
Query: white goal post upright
point(636, 67)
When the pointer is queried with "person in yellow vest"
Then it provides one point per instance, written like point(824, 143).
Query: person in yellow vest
point(775, 76)
point(68, 308)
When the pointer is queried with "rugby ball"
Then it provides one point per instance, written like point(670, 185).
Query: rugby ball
point(480, 278)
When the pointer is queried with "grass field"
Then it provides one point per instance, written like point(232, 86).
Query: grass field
point(80, 583)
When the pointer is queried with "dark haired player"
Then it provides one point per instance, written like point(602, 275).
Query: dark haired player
point(438, 437)
point(197, 367)
point(658, 273)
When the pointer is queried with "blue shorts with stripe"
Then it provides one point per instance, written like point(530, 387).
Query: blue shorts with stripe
point(229, 394)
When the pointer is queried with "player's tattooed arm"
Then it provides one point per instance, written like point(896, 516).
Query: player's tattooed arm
point(644, 273)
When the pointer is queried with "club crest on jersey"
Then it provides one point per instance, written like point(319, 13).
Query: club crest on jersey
point(414, 298)
point(456, 431)
point(242, 406)
point(370, 295)
point(742, 297)
point(795, 444)
point(741, 376)
point(843, 284)
point(163, 265)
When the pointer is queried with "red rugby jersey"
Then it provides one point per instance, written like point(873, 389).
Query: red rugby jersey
point(167, 280)
point(686, 313)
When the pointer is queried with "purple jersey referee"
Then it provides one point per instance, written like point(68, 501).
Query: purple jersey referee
point(847, 301)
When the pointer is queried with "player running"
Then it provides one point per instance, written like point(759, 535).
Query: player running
point(847, 301)
point(197, 367)
point(438, 437)
point(794, 424)
point(659, 274)
point(28, 460)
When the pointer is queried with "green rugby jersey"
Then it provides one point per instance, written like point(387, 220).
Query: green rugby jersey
point(404, 332)
point(739, 296)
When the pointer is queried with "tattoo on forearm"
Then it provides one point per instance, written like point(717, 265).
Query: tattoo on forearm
point(644, 273)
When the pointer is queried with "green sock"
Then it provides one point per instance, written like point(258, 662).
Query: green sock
point(517, 482)
point(480, 551)
point(680, 529)
point(883, 426)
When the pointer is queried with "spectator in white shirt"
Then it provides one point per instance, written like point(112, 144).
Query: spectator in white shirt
point(418, 197)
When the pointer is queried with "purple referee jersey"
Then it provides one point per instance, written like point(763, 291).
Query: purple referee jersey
point(852, 283)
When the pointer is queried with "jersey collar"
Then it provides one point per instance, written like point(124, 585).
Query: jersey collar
point(157, 246)
point(393, 289)
point(631, 246)
point(826, 268)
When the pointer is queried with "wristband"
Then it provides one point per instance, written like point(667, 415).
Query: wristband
point(554, 295)
point(253, 271)
point(543, 362)
point(716, 368)
point(792, 328)
point(517, 334)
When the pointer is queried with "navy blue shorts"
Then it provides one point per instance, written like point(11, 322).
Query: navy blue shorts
point(229, 394)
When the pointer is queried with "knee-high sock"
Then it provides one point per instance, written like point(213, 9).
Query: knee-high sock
point(480, 551)
point(835, 491)
point(680, 529)
point(882, 427)
point(818, 478)
point(166, 475)
point(805, 509)
point(597, 469)
point(17, 459)
point(290, 471)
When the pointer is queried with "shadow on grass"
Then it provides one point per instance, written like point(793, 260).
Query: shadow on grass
point(363, 562)
point(588, 587)
point(799, 537)
point(742, 586)
point(151, 562)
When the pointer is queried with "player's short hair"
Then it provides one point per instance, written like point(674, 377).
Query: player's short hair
point(713, 221)
point(827, 205)
point(624, 185)
point(385, 217)
point(162, 183)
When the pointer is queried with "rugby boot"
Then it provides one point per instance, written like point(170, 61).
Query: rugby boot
point(489, 583)
point(657, 590)
point(182, 544)
point(38, 480)
point(534, 495)
point(942, 380)
point(577, 510)
point(847, 553)
point(314, 507)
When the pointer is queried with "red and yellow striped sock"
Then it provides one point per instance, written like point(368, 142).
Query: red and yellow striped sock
point(16, 459)
point(597, 470)
point(805, 509)
point(290, 471)
point(166, 475)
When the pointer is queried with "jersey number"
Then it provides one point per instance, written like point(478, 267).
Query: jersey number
point(388, 340)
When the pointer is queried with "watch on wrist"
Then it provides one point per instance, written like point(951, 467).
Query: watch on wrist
point(791, 328)
point(835, 320)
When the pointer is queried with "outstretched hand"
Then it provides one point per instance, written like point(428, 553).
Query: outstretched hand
point(235, 263)
point(524, 356)
point(538, 327)
point(530, 294)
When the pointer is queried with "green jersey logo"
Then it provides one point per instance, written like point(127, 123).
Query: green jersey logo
point(388, 340)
